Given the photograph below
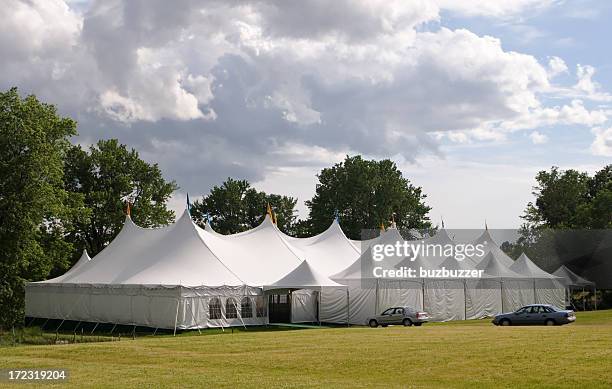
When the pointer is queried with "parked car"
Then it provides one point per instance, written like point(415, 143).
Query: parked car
point(545, 314)
point(406, 316)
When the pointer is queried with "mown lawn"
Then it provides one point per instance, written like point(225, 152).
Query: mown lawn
point(459, 354)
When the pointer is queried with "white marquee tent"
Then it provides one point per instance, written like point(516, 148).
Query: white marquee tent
point(182, 276)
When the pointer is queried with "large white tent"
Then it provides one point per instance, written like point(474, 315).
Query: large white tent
point(182, 276)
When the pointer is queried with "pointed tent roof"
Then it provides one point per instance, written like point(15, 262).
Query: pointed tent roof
point(452, 263)
point(441, 237)
point(83, 260)
point(485, 237)
point(329, 252)
point(525, 266)
point(418, 262)
point(490, 246)
point(303, 276)
point(570, 278)
point(362, 267)
point(493, 267)
point(170, 255)
point(258, 256)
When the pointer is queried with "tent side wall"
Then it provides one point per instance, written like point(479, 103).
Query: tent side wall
point(149, 306)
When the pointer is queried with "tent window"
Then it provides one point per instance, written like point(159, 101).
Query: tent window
point(246, 307)
point(260, 306)
point(214, 309)
point(230, 308)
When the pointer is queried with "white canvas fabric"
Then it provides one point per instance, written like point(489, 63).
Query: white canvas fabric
point(547, 288)
point(329, 252)
point(490, 245)
point(303, 277)
point(571, 279)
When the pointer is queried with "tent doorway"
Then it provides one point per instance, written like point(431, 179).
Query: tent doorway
point(279, 308)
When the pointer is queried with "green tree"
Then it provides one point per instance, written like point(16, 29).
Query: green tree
point(108, 175)
point(235, 206)
point(366, 193)
point(571, 199)
point(35, 209)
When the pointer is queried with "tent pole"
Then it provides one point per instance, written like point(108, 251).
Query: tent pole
point(595, 289)
point(96, 326)
point(464, 299)
point(194, 319)
point(239, 313)
point(176, 316)
point(348, 308)
point(501, 294)
point(583, 300)
point(319, 307)
point(423, 294)
point(376, 298)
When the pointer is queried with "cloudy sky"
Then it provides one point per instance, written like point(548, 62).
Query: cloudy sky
point(470, 98)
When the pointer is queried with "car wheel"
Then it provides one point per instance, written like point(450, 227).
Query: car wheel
point(550, 322)
point(418, 324)
point(373, 323)
point(407, 322)
point(504, 322)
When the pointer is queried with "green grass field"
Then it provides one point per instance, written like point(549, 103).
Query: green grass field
point(458, 354)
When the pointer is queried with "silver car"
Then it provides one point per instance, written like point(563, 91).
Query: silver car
point(399, 315)
point(545, 314)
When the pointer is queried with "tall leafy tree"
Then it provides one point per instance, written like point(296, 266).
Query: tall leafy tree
point(108, 175)
point(571, 199)
point(235, 206)
point(35, 209)
point(366, 193)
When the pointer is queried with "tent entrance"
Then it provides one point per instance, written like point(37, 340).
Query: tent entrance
point(279, 308)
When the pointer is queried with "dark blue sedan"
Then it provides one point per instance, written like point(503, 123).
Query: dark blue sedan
point(534, 314)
